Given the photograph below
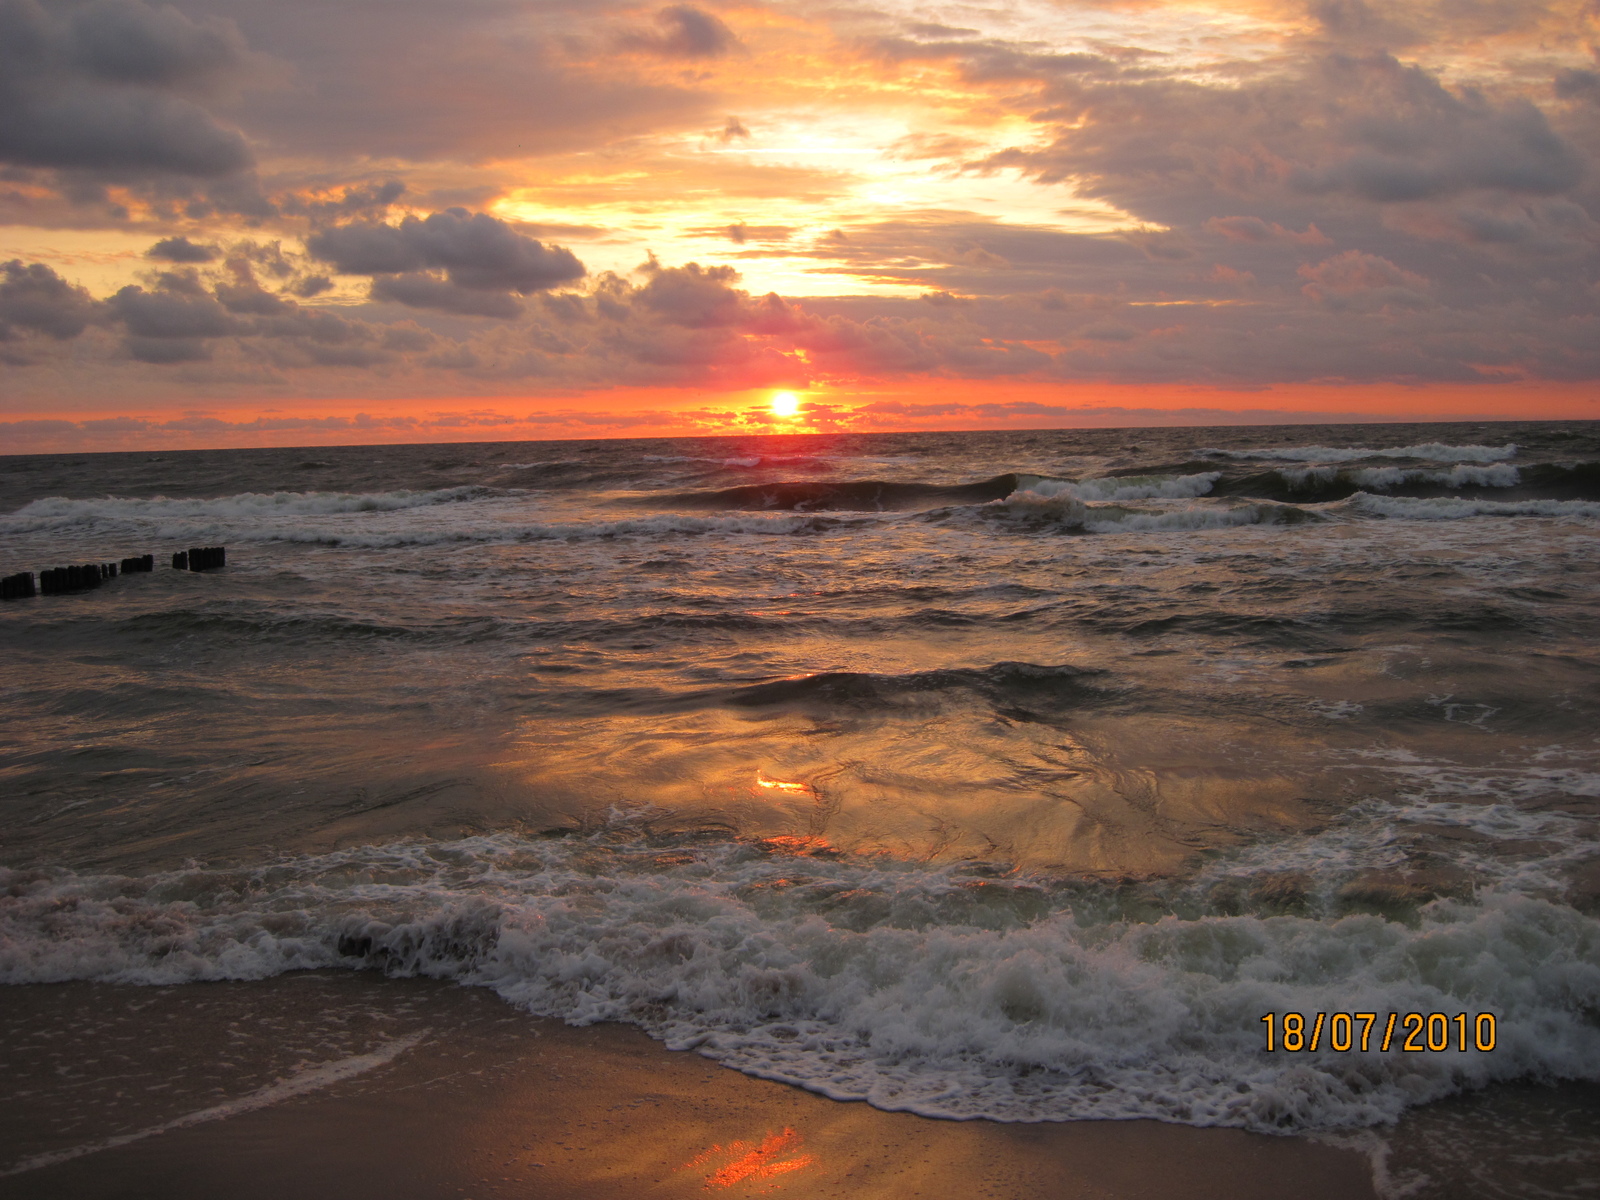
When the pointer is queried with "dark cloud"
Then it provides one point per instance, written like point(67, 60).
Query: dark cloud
point(1576, 84)
point(1366, 127)
point(693, 296)
point(1354, 21)
point(459, 84)
point(425, 291)
point(1461, 146)
point(476, 252)
point(684, 32)
point(1170, 244)
point(107, 87)
point(361, 200)
point(1254, 229)
point(181, 250)
point(125, 41)
point(172, 312)
point(312, 285)
point(34, 297)
point(164, 351)
point(249, 298)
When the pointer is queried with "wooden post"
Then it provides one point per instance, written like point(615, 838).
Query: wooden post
point(17, 587)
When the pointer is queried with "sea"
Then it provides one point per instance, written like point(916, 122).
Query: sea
point(1025, 776)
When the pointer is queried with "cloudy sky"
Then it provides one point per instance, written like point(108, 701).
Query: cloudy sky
point(240, 222)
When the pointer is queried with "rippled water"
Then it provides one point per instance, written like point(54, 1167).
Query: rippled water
point(1008, 775)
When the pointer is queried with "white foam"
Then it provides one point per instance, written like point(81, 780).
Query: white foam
point(912, 987)
point(460, 515)
point(1434, 451)
point(1112, 520)
point(1138, 487)
point(1461, 475)
point(1451, 508)
point(1064, 502)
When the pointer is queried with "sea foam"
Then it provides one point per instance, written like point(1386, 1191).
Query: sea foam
point(1382, 478)
point(1447, 508)
point(56, 512)
point(916, 988)
point(1432, 451)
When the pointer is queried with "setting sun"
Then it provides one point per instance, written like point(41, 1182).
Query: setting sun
point(785, 404)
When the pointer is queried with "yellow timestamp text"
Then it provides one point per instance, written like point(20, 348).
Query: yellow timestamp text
point(1413, 1032)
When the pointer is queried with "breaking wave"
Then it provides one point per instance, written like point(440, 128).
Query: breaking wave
point(571, 531)
point(866, 495)
point(1128, 487)
point(1446, 508)
point(57, 512)
point(950, 992)
point(1430, 451)
point(1384, 478)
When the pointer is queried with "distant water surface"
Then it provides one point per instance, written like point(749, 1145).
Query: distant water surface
point(1007, 775)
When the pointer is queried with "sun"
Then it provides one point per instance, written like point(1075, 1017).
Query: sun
point(785, 404)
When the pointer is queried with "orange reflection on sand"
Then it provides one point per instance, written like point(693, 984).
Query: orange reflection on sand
point(763, 781)
point(744, 1163)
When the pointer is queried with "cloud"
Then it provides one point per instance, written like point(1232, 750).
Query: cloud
point(1433, 145)
point(1578, 84)
point(694, 296)
point(107, 87)
point(33, 297)
point(1354, 277)
point(170, 313)
point(1254, 229)
point(1360, 126)
point(181, 250)
point(684, 32)
point(126, 41)
point(476, 252)
point(167, 350)
point(425, 291)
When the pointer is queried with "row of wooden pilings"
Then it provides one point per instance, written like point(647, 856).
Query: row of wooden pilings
point(61, 580)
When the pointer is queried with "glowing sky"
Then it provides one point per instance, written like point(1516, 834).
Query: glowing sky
point(234, 222)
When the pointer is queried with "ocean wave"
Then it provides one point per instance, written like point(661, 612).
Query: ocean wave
point(1127, 487)
point(1115, 520)
point(1063, 504)
point(949, 992)
point(56, 512)
point(1384, 478)
point(863, 495)
point(1448, 508)
point(1003, 683)
point(1432, 451)
point(571, 531)
point(779, 460)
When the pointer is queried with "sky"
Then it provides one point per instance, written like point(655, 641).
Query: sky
point(279, 222)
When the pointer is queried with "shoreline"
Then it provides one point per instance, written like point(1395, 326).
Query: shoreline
point(356, 1085)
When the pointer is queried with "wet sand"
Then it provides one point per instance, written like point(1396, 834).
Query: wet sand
point(355, 1086)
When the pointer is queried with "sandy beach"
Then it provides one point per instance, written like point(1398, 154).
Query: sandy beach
point(354, 1086)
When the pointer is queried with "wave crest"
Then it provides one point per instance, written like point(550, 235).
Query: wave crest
point(1430, 451)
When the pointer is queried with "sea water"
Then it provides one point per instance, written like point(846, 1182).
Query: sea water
point(1001, 775)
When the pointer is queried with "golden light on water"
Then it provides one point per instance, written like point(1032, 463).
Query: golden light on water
point(780, 785)
point(784, 404)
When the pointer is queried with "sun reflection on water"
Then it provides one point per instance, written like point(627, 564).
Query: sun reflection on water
point(780, 785)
